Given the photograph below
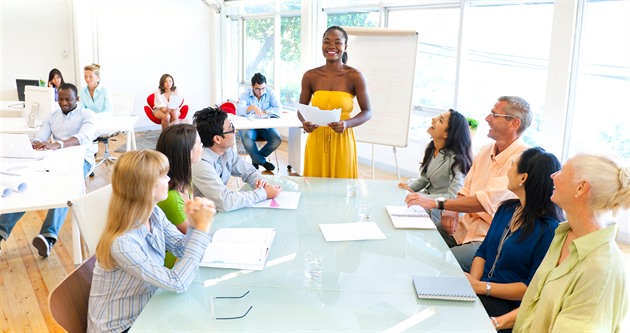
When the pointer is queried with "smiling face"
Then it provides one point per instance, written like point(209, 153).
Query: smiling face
point(564, 185)
point(67, 100)
point(439, 126)
point(333, 45)
point(500, 125)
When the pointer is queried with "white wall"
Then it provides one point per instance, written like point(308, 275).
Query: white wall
point(138, 41)
point(36, 37)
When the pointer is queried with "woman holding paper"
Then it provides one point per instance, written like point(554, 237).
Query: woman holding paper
point(164, 107)
point(182, 146)
point(331, 150)
point(518, 238)
point(130, 254)
point(447, 158)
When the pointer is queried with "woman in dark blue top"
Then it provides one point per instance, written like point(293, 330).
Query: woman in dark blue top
point(519, 237)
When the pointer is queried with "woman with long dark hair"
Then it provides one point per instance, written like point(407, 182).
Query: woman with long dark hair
point(55, 80)
point(518, 238)
point(161, 108)
point(447, 158)
point(182, 146)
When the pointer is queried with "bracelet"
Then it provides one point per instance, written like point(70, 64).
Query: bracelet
point(488, 288)
point(495, 322)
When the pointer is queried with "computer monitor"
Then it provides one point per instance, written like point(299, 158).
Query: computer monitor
point(40, 102)
point(21, 83)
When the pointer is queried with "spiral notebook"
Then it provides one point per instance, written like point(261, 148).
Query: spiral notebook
point(414, 217)
point(443, 288)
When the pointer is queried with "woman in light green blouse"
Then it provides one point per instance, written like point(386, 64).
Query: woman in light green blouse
point(182, 146)
point(580, 286)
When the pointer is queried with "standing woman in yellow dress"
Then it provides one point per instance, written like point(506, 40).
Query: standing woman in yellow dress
point(331, 150)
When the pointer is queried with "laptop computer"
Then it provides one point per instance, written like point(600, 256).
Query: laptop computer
point(18, 146)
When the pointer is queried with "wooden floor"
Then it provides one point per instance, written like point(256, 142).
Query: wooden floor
point(26, 279)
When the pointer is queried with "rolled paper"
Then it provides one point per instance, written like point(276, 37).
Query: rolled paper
point(5, 190)
point(16, 184)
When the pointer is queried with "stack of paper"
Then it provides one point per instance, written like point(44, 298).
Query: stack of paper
point(240, 248)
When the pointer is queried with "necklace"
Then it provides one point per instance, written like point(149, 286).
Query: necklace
point(507, 232)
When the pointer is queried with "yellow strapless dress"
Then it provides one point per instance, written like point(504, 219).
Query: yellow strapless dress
point(327, 153)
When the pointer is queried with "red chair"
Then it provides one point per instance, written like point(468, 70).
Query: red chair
point(148, 109)
point(228, 107)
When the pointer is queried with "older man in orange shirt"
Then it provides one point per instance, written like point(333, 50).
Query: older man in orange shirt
point(485, 186)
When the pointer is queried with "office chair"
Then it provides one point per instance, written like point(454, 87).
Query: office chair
point(68, 302)
point(148, 109)
point(123, 106)
point(90, 214)
point(229, 107)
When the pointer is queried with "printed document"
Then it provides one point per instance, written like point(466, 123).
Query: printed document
point(317, 116)
point(351, 231)
point(175, 101)
point(239, 248)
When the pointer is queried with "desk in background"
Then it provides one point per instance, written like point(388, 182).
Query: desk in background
point(103, 125)
point(47, 190)
point(364, 286)
point(288, 120)
point(9, 109)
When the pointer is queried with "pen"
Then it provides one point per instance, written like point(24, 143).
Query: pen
point(307, 182)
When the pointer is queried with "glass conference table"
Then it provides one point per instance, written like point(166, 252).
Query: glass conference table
point(364, 285)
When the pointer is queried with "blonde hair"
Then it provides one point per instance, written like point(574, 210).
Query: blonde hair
point(609, 181)
point(134, 176)
point(96, 68)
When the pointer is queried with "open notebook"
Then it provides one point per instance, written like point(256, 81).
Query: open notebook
point(239, 248)
point(443, 288)
point(414, 217)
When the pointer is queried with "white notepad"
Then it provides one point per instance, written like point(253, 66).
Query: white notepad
point(239, 248)
point(409, 218)
point(443, 288)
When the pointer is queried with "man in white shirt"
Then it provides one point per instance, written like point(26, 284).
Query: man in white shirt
point(219, 161)
point(71, 125)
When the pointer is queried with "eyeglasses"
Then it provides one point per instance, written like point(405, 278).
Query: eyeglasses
point(260, 89)
point(234, 297)
point(232, 130)
point(498, 115)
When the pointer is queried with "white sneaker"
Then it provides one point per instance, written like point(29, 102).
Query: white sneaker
point(42, 245)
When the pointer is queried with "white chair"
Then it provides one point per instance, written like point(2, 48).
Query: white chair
point(122, 106)
point(90, 214)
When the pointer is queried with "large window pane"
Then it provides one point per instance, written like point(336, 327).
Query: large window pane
point(258, 49)
point(600, 114)
point(508, 55)
point(357, 19)
point(434, 84)
point(289, 67)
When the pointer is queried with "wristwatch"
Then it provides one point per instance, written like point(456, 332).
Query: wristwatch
point(439, 202)
point(488, 288)
point(60, 142)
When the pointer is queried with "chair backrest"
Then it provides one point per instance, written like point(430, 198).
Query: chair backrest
point(151, 100)
point(68, 302)
point(228, 107)
point(123, 103)
point(90, 214)
point(148, 109)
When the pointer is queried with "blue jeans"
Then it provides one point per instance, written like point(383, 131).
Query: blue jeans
point(53, 222)
point(271, 135)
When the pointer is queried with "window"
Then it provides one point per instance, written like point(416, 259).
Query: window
point(600, 114)
point(258, 49)
point(508, 54)
point(290, 78)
